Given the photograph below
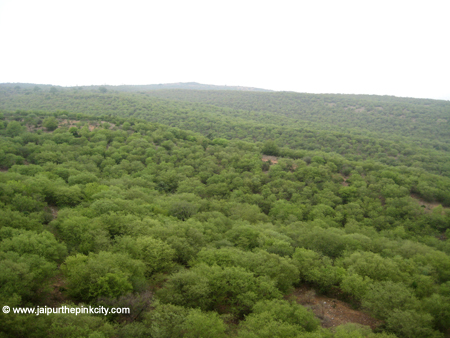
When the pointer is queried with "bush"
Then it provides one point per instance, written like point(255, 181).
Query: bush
point(228, 289)
point(104, 274)
point(157, 255)
point(278, 318)
point(50, 123)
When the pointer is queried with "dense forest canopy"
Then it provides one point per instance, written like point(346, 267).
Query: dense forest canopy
point(394, 131)
point(224, 214)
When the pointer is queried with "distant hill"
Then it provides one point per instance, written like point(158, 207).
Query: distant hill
point(183, 85)
point(140, 88)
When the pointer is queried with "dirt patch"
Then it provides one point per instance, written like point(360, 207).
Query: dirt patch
point(56, 297)
point(442, 237)
point(357, 110)
point(428, 206)
point(73, 123)
point(273, 159)
point(68, 123)
point(54, 211)
point(332, 312)
point(344, 182)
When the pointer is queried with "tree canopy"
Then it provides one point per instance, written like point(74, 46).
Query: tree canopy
point(162, 209)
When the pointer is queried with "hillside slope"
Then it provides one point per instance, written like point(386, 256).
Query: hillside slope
point(202, 237)
point(379, 115)
point(295, 121)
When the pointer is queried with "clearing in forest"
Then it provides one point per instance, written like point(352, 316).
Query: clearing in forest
point(330, 311)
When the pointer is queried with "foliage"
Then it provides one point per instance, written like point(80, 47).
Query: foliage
point(167, 321)
point(279, 318)
point(126, 207)
point(157, 255)
point(215, 288)
point(103, 274)
point(50, 123)
point(82, 325)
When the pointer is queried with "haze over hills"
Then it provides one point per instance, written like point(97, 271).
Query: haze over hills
point(135, 88)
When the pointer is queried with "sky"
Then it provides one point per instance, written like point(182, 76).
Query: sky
point(393, 47)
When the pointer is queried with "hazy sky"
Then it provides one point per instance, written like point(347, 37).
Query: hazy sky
point(390, 47)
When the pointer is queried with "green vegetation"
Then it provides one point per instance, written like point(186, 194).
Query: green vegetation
point(182, 222)
point(393, 131)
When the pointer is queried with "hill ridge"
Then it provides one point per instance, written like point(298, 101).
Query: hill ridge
point(146, 87)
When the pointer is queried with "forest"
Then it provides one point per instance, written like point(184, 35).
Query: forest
point(227, 213)
point(393, 131)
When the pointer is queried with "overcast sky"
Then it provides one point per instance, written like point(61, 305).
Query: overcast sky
point(390, 47)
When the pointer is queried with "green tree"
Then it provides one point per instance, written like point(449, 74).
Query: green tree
point(388, 295)
point(104, 274)
point(279, 318)
point(317, 269)
point(43, 244)
point(270, 148)
point(183, 210)
point(50, 123)
point(351, 330)
point(14, 128)
point(82, 325)
point(157, 255)
point(409, 323)
point(82, 234)
point(23, 275)
point(171, 321)
point(355, 285)
point(280, 269)
point(439, 307)
point(213, 288)
point(111, 285)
